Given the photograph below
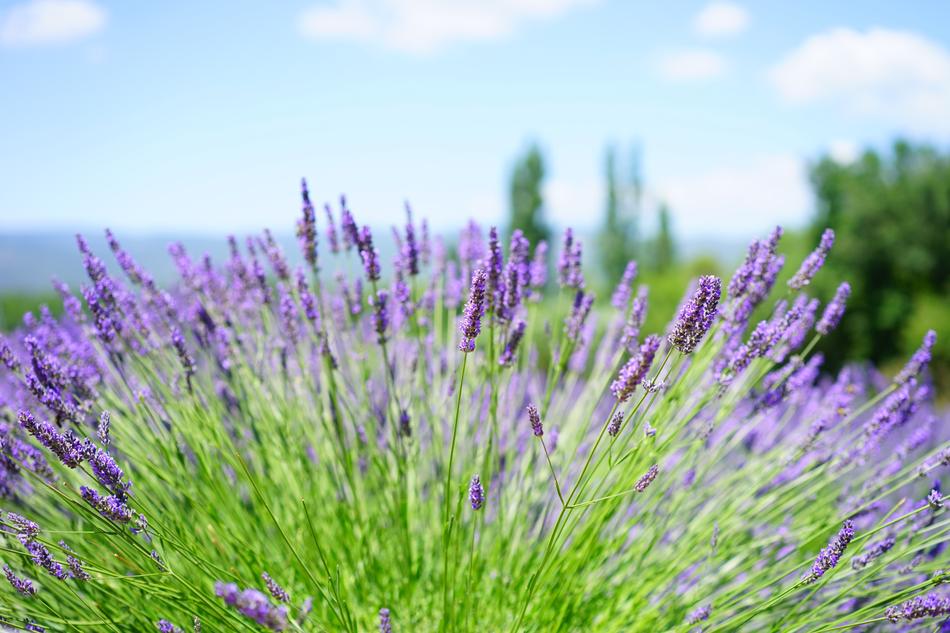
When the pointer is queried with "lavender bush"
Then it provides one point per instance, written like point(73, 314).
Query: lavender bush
point(452, 443)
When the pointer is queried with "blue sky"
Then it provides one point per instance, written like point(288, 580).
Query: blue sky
point(202, 117)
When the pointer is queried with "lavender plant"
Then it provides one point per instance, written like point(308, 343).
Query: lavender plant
point(454, 444)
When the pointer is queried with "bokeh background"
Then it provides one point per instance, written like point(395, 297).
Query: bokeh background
point(667, 132)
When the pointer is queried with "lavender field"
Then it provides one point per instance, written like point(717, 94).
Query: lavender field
point(461, 439)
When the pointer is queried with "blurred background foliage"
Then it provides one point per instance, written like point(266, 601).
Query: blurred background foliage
point(890, 210)
point(891, 213)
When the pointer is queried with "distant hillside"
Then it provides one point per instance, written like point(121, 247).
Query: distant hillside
point(28, 261)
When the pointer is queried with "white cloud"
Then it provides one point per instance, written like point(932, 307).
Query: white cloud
point(726, 200)
point(721, 19)
point(691, 65)
point(40, 22)
point(843, 151)
point(896, 76)
point(422, 26)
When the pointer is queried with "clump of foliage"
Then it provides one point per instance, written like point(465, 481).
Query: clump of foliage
point(262, 448)
point(891, 213)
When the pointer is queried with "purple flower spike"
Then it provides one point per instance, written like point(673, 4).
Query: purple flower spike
point(635, 370)
point(42, 557)
point(108, 506)
point(508, 355)
point(275, 590)
point(934, 500)
point(23, 585)
point(696, 316)
point(369, 255)
point(332, 238)
point(493, 266)
point(583, 302)
point(829, 556)
point(410, 248)
point(613, 427)
point(307, 228)
point(872, 553)
point(25, 528)
point(476, 493)
point(919, 361)
point(76, 570)
point(471, 324)
point(631, 329)
point(254, 605)
point(102, 430)
point(67, 447)
point(621, 294)
point(569, 264)
point(164, 626)
point(187, 362)
point(385, 625)
point(307, 300)
point(930, 606)
point(647, 478)
point(380, 306)
point(536, 427)
point(813, 262)
point(834, 310)
point(699, 614)
point(538, 270)
point(351, 233)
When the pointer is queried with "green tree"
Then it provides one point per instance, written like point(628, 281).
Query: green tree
point(616, 240)
point(664, 247)
point(891, 214)
point(526, 197)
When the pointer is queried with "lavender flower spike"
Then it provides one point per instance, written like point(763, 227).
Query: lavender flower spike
point(919, 361)
point(66, 446)
point(476, 493)
point(380, 315)
point(536, 427)
point(187, 362)
point(253, 604)
point(829, 556)
point(699, 614)
point(613, 428)
point(24, 586)
point(574, 323)
point(813, 262)
point(931, 605)
point(635, 370)
point(369, 255)
point(569, 263)
point(934, 500)
point(647, 478)
point(275, 590)
point(696, 316)
point(164, 626)
point(25, 528)
point(872, 553)
point(621, 294)
point(307, 228)
point(385, 625)
point(102, 430)
point(834, 310)
point(75, 565)
point(471, 324)
point(43, 558)
point(514, 339)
